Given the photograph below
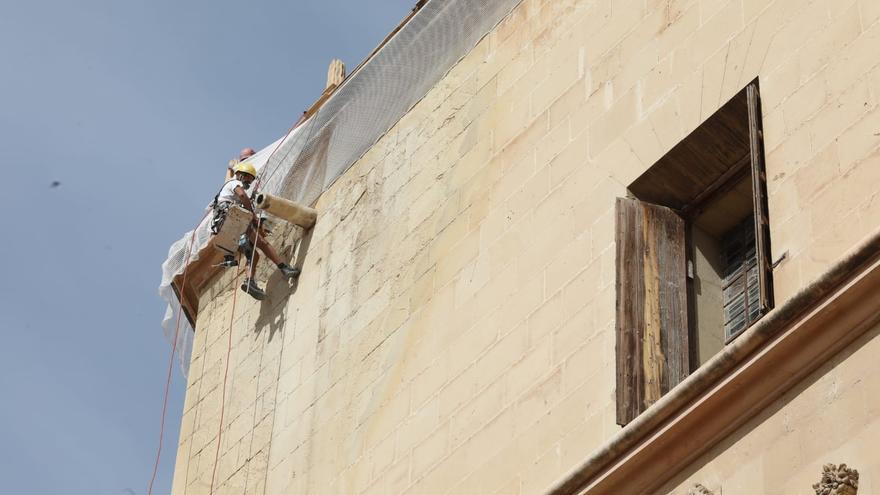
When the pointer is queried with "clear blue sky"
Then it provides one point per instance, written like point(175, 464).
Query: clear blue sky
point(135, 108)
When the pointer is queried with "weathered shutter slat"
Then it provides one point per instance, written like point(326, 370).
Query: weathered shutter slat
point(652, 330)
point(759, 196)
point(741, 293)
point(672, 280)
point(630, 302)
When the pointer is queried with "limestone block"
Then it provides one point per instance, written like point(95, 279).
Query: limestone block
point(774, 130)
point(542, 472)
point(804, 28)
point(841, 114)
point(624, 17)
point(805, 102)
point(419, 426)
point(562, 418)
point(859, 141)
point(583, 365)
point(496, 361)
point(519, 65)
point(869, 12)
point(564, 72)
point(715, 32)
point(850, 191)
point(611, 125)
point(824, 48)
point(852, 60)
point(487, 441)
point(645, 143)
point(475, 412)
point(521, 303)
point(397, 477)
point(550, 146)
point(817, 175)
point(429, 452)
point(776, 86)
point(525, 373)
point(682, 20)
point(714, 73)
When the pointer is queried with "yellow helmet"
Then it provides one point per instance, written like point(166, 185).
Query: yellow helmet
point(246, 168)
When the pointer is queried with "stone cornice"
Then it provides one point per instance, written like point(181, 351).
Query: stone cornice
point(772, 356)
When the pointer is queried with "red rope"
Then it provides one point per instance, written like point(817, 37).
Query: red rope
point(248, 280)
point(174, 350)
point(228, 351)
point(171, 359)
point(225, 377)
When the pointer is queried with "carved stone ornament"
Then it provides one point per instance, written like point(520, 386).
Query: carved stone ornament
point(699, 489)
point(335, 73)
point(837, 480)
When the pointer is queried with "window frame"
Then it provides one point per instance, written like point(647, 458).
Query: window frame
point(631, 393)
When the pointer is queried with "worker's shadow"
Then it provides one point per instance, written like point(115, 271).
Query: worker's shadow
point(279, 290)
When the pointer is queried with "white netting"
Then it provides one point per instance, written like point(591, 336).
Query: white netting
point(361, 110)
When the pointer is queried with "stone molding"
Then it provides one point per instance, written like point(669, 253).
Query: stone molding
point(779, 351)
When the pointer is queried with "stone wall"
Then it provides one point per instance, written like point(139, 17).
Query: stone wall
point(831, 417)
point(452, 330)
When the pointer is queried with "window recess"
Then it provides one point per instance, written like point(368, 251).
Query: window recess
point(693, 262)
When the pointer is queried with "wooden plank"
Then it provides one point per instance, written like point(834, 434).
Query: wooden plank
point(697, 162)
point(185, 303)
point(651, 327)
point(668, 239)
point(198, 272)
point(653, 359)
point(206, 269)
point(727, 181)
point(630, 300)
point(759, 195)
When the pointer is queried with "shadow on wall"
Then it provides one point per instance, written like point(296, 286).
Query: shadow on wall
point(831, 439)
point(278, 290)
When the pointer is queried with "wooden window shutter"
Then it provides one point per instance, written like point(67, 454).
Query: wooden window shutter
point(652, 327)
point(741, 283)
point(759, 195)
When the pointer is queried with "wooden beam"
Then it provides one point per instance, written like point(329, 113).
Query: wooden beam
point(723, 184)
point(188, 288)
point(759, 197)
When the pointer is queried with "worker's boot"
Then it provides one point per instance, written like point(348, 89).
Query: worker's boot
point(229, 261)
point(253, 289)
point(290, 272)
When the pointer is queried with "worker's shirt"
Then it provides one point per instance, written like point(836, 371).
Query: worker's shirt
point(227, 194)
point(224, 200)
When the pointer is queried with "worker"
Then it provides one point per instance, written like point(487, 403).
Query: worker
point(234, 192)
point(243, 155)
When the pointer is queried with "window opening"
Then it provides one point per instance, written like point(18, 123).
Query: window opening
point(693, 254)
